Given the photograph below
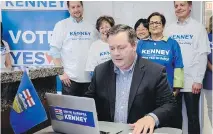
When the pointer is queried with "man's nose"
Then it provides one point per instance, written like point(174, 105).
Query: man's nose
point(116, 52)
point(75, 9)
point(178, 8)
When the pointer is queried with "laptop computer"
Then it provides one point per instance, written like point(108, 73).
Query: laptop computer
point(76, 115)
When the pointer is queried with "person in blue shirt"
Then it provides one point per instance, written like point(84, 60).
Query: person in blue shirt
point(165, 51)
point(207, 87)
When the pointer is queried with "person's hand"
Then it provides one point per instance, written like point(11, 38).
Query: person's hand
point(143, 125)
point(65, 79)
point(176, 91)
point(196, 87)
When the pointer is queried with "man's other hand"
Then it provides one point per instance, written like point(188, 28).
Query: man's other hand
point(65, 79)
point(196, 87)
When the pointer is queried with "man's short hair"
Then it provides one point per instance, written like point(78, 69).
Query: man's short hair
point(189, 2)
point(68, 3)
point(123, 28)
point(163, 19)
point(108, 19)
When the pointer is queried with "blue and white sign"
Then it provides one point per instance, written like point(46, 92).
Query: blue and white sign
point(28, 32)
point(32, 5)
point(84, 118)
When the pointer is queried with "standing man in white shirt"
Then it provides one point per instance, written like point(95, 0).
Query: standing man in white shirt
point(69, 47)
point(193, 40)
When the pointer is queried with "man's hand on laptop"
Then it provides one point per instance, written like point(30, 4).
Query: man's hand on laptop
point(65, 79)
point(144, 125)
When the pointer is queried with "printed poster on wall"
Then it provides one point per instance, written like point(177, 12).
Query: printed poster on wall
point(27, 28)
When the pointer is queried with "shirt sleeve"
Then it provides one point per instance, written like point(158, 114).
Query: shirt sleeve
point(203, 49)
point(178, 78)
point(56, 41)
point(178, 65)
point(155, 118)
point(202, 42)
point(200, 68)
point(54, 52)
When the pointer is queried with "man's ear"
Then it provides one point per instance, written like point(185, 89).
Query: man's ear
point(190, 7)
point(135, 46)
point(69, 12)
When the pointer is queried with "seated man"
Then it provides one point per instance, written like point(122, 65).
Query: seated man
point(130, 89)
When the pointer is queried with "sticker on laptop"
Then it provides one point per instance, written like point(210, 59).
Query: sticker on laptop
point(84, 118)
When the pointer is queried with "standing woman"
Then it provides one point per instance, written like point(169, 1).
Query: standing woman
point(99, 50)
point(165, 51)
point(5, 52)
point(141, 29)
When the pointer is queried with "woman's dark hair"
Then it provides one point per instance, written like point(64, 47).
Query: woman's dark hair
point(163, 19)
point(108, 19)
point(144, 22)
point(2, 44)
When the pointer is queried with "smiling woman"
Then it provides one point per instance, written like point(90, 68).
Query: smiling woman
point(99, 50)
point(161, 43)
point(165, 51)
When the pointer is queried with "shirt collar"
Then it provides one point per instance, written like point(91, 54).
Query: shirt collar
point(165, 38)
point(186, 21)
point(117, 70)
point(74, 20)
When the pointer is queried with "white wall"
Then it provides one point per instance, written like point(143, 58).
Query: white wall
point(128, 12)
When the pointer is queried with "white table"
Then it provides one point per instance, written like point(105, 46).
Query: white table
point(126, 129)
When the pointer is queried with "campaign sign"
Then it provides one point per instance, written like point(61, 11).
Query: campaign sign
point(27, 28)
point(35, 5)
point(84, 118)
